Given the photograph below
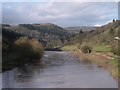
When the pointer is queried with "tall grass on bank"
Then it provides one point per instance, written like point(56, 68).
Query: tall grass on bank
point(70, 48)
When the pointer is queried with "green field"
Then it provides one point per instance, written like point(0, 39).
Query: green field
point(69, 48)
point(102, 48)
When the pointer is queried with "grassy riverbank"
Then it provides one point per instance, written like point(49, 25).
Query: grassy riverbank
point(102, 60)
point(100, 55)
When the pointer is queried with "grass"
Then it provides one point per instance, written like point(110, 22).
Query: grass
point(69, 48)
point(114, 62)
point(113, 68)
point(101, 48)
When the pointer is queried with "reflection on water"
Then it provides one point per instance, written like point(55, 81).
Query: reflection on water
point(61, 70)
point(25, 73)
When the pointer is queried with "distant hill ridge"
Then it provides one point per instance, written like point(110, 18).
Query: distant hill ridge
point(108, 26)
point(78, 28)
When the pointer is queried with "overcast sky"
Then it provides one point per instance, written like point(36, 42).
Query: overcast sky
point(61, 13)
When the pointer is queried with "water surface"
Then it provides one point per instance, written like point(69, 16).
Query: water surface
point(61, 70)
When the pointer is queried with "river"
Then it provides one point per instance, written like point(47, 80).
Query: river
point(61, 70)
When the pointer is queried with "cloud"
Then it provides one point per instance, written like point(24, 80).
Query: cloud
point(61, 13)
point(60, 0)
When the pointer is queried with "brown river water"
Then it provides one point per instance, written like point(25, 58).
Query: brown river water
point(61, 70)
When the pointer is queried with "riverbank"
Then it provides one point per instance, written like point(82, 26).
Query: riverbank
point(105, 60)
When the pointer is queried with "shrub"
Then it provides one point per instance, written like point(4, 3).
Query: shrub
point(21, 52)
point(115, 48)
point(37, 48)
point(86, 49)
point(28, 50)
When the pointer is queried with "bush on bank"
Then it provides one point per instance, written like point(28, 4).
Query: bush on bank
point(29, 49)
point(115, 48)
point(86, 49)
point(23, 51)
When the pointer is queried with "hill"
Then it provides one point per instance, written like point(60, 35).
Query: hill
point(49, 34)
point(95, 34)
point(79, 28)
